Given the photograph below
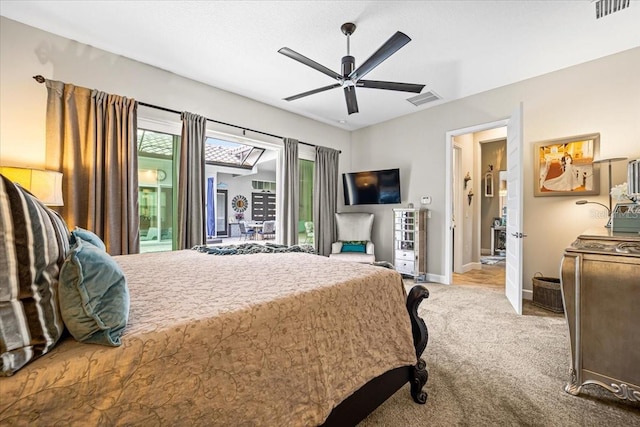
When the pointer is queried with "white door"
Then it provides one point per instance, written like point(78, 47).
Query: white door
point(513, 288)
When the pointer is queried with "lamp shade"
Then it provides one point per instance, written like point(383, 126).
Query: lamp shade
point(45, 185)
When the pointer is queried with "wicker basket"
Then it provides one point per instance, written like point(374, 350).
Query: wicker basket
point(547, 293)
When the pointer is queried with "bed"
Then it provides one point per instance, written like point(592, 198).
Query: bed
point(261, 339)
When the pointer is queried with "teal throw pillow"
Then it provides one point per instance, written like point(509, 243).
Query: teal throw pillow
point(87, 236)
point(353, 247)
point(93, 294)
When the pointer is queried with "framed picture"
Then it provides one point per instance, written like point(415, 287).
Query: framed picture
point(564, 167)
point(488, 184)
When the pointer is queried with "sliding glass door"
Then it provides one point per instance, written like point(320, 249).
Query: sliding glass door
point(305, 212)
point(156, 190)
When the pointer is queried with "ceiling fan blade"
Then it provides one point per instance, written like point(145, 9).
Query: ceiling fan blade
point(311, 92)
point(390, 47)
point(350, 96)
point(310, 63)
point(403, 87)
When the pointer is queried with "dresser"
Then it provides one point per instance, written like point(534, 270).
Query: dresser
point(410, 241)
point(600, 280)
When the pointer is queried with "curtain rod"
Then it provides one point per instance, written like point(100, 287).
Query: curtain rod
point(41, 79)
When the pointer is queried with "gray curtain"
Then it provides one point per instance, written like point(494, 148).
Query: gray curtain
point(325, 198)
point(191, 194)
point(288, 194)
point(92, 140)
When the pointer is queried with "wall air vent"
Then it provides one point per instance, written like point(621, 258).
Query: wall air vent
point(423, 98)
point(607, 7)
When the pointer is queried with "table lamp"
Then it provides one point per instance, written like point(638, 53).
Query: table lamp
point(45, 185)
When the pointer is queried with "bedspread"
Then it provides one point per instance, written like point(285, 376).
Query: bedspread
point(264, 340)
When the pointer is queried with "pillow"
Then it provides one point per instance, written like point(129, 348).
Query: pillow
point(34, 241)
point(355, 242)
point(353, 247)
point(87, 236)
point(94, 297)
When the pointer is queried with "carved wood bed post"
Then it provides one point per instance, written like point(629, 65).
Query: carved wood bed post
point(420, 338)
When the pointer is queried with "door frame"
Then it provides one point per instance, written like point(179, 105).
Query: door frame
point(457, 206)
point(449, 147)
point(224, 232)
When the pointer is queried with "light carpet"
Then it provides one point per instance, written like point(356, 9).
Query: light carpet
point(489, 367)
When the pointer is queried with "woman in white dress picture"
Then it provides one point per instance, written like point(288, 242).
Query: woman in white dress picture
point(566, 166)
point(568, 180)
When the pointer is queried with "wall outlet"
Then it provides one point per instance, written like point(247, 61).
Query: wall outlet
point(425, 200)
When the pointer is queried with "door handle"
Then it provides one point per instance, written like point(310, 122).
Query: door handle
point(518, 235)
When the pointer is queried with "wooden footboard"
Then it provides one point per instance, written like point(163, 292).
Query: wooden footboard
point(364, 401)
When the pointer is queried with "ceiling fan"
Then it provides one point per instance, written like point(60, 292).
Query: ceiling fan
point(351, 77)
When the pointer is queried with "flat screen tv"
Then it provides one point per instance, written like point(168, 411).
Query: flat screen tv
point(371, 187)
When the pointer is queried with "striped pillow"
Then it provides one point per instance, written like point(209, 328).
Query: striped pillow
point(34, 241)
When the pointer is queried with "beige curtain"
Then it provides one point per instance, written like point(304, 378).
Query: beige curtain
point(325, 198)
point(288, 194)
point(191, 195)
point(91, 139)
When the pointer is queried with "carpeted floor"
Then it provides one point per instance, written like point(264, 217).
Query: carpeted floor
point(489, 367)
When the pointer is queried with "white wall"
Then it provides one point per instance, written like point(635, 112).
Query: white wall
point(26, 51)
point(465, 218)
point(599, 96)
point(241, 185)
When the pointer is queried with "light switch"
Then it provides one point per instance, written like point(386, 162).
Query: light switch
point(425, 200)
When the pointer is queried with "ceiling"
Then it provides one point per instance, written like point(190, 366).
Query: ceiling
point(458, 48)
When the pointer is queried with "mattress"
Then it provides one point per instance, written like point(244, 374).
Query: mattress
point(261, 339)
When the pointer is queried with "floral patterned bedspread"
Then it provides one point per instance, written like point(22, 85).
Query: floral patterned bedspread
point(255, 340)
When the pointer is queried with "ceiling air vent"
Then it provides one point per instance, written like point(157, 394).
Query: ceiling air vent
point(607, 7)
point(423, 98)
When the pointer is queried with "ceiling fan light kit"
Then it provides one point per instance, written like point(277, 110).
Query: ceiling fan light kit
point(351, 76)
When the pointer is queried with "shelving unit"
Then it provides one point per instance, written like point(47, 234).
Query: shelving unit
point(498, 239)
point(410, 241)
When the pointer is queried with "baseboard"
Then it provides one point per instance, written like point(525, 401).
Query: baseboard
point(527, 294)
point(471, 266)
point(485, 251)
point(435, 278)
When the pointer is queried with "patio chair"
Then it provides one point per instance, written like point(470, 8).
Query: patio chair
point(268, 230)
point(247, 233)
point(308, 227)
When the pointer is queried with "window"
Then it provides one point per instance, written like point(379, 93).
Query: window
point(305, 211)
point(264, 185)
point(155, 190)
point(233, 154)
